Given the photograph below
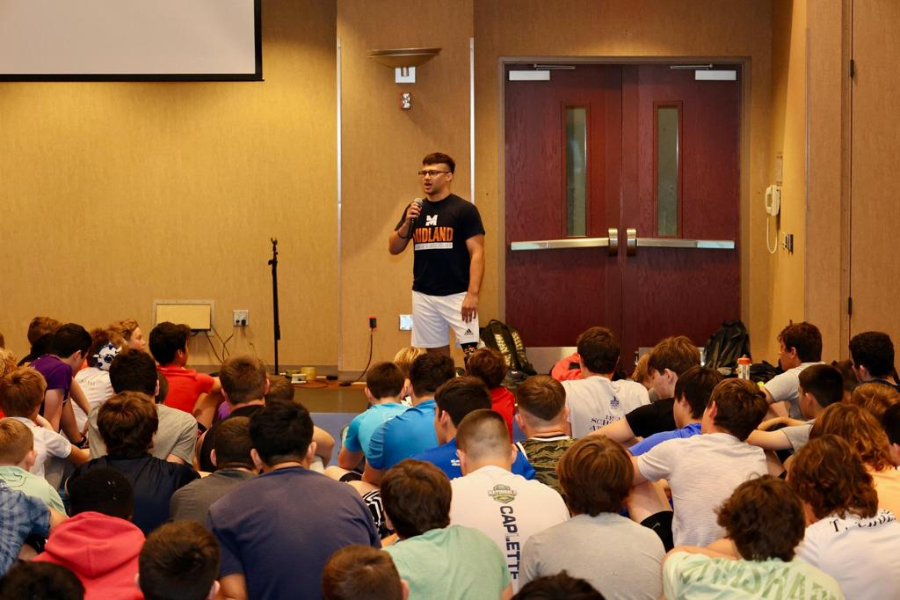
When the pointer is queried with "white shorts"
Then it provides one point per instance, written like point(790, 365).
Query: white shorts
point(433, 316)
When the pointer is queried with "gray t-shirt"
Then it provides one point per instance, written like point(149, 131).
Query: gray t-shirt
point(620, 558)
point(797, 435)
point(176, 434)
point(192, 502)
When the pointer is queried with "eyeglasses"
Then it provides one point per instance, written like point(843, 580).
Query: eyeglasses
point(431, 173)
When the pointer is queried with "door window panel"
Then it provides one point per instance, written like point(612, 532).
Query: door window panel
point(667, 170)
point(576, 171)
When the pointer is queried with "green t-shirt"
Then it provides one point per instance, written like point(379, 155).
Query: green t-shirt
point(544, 454)
point(451, 563)
point(32, 485)
point(696, 576)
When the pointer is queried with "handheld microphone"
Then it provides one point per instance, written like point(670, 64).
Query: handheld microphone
point(412, 222)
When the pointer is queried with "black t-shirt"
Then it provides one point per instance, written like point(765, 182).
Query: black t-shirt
point(208, 440)
point(655, 417)
point(441, 264)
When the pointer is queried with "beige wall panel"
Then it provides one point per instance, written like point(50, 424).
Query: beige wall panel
point(826, 243)
point(383, 147)
point(116, 194)
point(605, 30)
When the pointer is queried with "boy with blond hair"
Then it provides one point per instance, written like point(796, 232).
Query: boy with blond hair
point(17, 455)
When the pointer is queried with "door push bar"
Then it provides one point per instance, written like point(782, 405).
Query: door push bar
point(611, 242)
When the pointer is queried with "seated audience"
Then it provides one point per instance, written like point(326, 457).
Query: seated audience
point(17, 456)
point(41, 581)
point(127, 423)
point(179, 561)
point(558, 587)
point(277, 531)
point(99, 543)
point(436, 559)
point(668, 360)
point(872, 355)
point(595, 401)
point(362, 573)
point(385, 384)
point(596, 475)
point(890, 421)
point(702, 470)
point(800, 345)
point(764, 522)
point(820, 386)
point(232, 465)
point(860, 429)
point(412, 431)
point(847, 536)
point(456, 399)
point(94, 378)
point(875, 398)
point(131, 334)
point(504, 506)
point(543, 418)
point(68, 349)
point(22, 516)
point(21, 395)
point(168, 344)
point(489, 366)
point(176, 436)
point(40, 335)
point(692, 392)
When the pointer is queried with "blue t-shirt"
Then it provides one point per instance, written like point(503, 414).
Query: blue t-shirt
point(280, 528)
point(658, 438)
point(444, 457)
point(403, 436)
point(364, 425)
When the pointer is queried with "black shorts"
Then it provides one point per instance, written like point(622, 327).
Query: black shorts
point(661, 523)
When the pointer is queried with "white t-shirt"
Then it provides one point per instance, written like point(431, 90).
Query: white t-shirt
point(863, 555)
point(702, 472)
point(46, 443)
point(785, 386)
point(596, 402)
point(97, 389)
point(507, 508)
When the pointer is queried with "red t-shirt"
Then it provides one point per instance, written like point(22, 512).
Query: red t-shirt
point(185, 386)
point(504, 402)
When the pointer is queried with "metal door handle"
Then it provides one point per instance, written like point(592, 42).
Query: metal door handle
point(613, 241)
point(683, 243)
point(631, 240)
point(562, 244)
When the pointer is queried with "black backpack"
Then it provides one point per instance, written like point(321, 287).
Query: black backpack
point(508, 342)
point(727, 345)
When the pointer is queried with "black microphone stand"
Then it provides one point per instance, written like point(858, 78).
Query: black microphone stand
point(276, 322)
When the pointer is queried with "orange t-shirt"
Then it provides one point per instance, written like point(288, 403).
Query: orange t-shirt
point(185, 386)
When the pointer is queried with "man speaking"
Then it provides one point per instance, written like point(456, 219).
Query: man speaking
point(448, 240)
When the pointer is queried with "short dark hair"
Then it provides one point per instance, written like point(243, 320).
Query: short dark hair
point(133, 371)
point(740, 405)
point(483, 433)
point(166, 339)
point(243, 379)
point(103, 490)
point(281, 431)
point(280, 388)
point(806, 338)
point(179, 561)
point(488, 365)
point(891, 423)
point(127, 424)
point(831, 478)
point(385, 380)
point(460, 396)
point(361, 573)
point(429, 371)
point(599, 349)
point(824, 382)
point(677, 354)
point(40, 580)
point(436, 158)
point(416, 497)
point(764, 518)
point(232, 443)
point(696, 386)
point(541, 396)
point(595, 474)
point(873, 350)
point(561, 586)
point(69, 339)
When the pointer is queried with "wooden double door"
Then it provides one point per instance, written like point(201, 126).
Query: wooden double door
point(622, 203)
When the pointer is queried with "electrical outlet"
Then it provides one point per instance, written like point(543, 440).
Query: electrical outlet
point(240, 318)
point(373, 322)
point(788, 242)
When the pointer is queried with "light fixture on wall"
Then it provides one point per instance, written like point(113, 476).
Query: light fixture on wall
point(404, 62)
